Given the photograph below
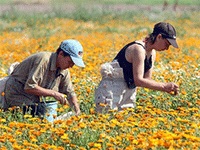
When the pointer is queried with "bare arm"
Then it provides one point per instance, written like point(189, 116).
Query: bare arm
point(40, 91)
point(73, 101)
point(138, 55)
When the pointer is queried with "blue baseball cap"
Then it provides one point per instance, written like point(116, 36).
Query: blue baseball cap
point(75, 50)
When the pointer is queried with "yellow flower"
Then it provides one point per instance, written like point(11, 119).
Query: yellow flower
point(103, 104)
point(2, 120)
point(109, 144)
point(27, 116)
point(16, 146)
point(65, 136)
point(81, 125)
point(97, 145)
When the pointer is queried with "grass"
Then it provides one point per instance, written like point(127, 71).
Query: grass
point(84, 14)
point(78, 2)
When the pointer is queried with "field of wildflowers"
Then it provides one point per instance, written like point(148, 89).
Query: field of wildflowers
point(160, 121)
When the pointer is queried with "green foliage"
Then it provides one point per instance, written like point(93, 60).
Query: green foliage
point(84, 12)
point(78, 2)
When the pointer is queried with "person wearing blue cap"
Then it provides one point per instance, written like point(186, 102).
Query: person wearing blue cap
point(45, 74)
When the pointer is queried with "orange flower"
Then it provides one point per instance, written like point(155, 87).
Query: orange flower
point(3, 94)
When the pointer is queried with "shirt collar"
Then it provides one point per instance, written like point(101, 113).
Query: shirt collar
point(53, 64)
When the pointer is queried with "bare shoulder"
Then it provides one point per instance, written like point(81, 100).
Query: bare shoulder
point(136, 47)
point(135, 51)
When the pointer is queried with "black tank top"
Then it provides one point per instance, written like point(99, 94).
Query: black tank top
point(127, 67)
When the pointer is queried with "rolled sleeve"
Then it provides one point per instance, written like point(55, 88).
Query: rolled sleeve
point(35, 77)
point(37, 73)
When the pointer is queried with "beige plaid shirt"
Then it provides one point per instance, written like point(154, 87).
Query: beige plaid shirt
point(38, 69)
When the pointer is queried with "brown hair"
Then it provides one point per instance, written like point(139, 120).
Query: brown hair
point(64, 53)
point(151, 38)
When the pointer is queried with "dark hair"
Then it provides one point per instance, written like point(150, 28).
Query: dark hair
point(59, 50)
point(151, 38)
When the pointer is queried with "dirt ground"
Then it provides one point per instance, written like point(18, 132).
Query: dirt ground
point(43, 6)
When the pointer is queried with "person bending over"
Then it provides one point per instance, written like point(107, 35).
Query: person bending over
point(131, 68)
point(45, 74)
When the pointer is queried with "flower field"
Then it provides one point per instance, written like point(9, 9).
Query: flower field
point(160, 121)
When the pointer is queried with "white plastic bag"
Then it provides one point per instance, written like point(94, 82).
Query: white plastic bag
point(3, 81)
point(111, 70)
point(112, 92)
point(65, 116)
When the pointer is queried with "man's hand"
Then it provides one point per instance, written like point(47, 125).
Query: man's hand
point(61, 98)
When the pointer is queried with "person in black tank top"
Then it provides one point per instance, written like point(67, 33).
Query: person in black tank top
point(127, 66)
point(136, 60)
